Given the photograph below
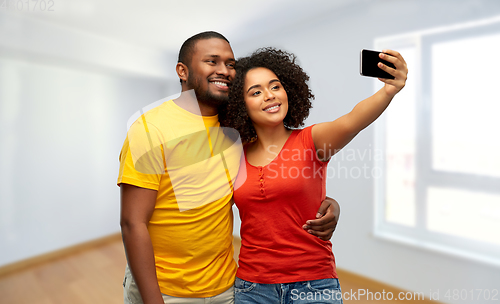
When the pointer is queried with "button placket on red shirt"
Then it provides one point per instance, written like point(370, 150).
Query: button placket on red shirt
point(261, 181)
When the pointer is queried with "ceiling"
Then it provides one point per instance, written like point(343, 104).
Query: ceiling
point(165, 24)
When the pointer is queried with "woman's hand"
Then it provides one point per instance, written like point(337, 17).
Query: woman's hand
point(393, 86)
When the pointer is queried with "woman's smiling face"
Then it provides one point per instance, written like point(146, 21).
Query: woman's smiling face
point(265, 97)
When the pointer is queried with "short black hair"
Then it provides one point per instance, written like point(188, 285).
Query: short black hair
point(291, 76)
point(187, 48)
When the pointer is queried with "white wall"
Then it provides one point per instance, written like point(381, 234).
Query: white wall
point(63, 122)
point(328, 48)
point(65, 98)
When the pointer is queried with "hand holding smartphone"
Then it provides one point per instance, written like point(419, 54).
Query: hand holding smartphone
point(369, 65)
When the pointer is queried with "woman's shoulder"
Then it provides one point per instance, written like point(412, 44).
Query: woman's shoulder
point(304, 130)
point(304, 136)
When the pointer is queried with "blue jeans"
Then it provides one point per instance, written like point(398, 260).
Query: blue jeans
point(316, 291)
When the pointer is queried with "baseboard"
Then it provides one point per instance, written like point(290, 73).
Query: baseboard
point(40, 259)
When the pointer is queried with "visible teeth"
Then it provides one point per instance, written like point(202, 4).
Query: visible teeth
point(272, 108)
point(220, 83)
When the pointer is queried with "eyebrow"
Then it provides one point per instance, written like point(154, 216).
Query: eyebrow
point(218, 56)
point(258, 85)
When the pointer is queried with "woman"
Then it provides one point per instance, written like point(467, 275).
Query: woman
point(286, 174)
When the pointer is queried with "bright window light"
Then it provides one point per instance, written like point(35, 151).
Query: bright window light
point(466, 105)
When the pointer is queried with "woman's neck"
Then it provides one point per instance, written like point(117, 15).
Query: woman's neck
point(271, 138)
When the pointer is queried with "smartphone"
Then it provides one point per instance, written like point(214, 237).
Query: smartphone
point(369, 65)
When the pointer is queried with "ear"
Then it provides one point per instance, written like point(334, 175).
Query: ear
point(182, 71)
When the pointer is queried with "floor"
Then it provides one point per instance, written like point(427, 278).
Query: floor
point(94, 276)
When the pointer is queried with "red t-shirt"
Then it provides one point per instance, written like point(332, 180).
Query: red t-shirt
point(274, 202)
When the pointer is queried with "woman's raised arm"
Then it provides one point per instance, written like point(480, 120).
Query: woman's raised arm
point(330, 137)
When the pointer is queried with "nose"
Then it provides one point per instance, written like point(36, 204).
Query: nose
point(268, 95)
point(222, 70)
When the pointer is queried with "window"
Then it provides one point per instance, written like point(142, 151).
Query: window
point(441, 139)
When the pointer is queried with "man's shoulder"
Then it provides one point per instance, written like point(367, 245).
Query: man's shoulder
point(160, 113)
point(158, 119)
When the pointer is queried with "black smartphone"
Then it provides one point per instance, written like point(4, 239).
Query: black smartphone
point(369, 65)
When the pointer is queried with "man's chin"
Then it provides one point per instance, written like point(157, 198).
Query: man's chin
point(221, 100)
point(214, 100)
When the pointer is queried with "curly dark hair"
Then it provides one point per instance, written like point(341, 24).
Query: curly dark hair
point(291, 76)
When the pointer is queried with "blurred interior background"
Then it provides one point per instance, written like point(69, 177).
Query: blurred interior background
point(419, 190)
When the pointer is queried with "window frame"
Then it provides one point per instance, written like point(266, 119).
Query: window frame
point(425, 175)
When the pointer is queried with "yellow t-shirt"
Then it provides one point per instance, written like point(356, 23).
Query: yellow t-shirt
point(192, 165)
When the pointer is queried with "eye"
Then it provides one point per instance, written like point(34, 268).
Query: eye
point(276, 87)
point(211, 62)
point(230, 65)
point(256, 93)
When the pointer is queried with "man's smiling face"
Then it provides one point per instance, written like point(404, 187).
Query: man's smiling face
point(211, 71)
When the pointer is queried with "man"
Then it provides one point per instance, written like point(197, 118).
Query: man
point(177, 170)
